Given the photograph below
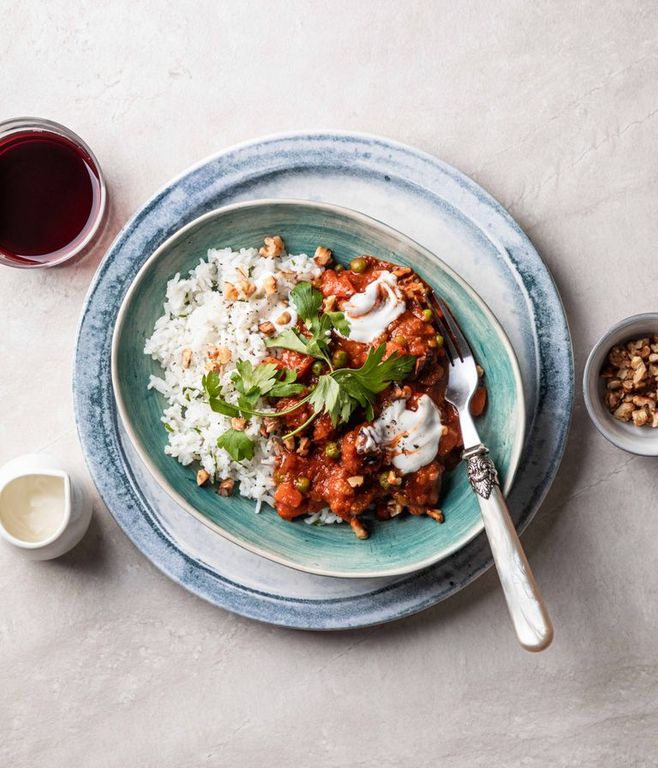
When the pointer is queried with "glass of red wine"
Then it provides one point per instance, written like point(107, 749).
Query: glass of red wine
point(53, 198)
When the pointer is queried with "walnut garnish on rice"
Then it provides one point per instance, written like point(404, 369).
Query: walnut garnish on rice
point(631, 378)
point(273, 247)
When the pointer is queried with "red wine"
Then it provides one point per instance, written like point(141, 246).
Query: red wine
point(50, 196)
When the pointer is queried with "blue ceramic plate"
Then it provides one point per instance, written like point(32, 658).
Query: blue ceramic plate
point(417, 194)
point(398, 546)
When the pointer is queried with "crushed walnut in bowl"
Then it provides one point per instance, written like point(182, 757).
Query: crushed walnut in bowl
point(620, 384)
point(631, 379)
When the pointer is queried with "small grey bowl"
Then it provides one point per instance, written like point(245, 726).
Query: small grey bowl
point(643, 441)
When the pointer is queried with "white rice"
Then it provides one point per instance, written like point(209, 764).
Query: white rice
point(196, 315)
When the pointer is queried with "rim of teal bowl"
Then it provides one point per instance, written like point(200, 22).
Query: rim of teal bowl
point(164, 483)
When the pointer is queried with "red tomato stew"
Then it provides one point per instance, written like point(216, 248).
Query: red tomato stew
point(394, 461)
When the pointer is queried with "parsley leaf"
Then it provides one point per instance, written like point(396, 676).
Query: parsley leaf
point(326, 395)
point(339, 322)
point(374, 375)
point(213, 390)
point(286, 386)
point(289, 339)
point(236, 444)
point(307, 300)
point(211, 385)
point(341, 392)
point(250, 380)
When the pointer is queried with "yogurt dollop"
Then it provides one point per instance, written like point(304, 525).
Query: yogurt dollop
point(411, 437)
point(370, 312)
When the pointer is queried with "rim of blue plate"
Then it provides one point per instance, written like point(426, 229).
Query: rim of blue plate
point(164, 483)
point(114, 478)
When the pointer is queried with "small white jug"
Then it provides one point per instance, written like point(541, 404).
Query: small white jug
point(43, 511)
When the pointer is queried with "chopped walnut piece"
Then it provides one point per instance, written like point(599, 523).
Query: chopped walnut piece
point(436, 514)
point(289, 443)
point(226, 487)
point(359, 529)
point(393, 479)
point(394, 508)
point(186, 357)
point(414, 289)
point(330, 303)
point(247, 287)
point(269, 285)
point(640, 417)
point(202, 477)
point(400, 393)
point(222, 355)
point(304, 446)
point(322, 256)
point(283, 318)
point(355, 481)
point(267, 328)
point(270, 425)
point(273, 247)
point(640, 372)
point(624, 412)
point(238, 423)
point(612, 400)
point(230, 292)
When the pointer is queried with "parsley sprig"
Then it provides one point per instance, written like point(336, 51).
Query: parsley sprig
point(342, 391)
point(338, 393)
point(308, 301)
point(252, 383)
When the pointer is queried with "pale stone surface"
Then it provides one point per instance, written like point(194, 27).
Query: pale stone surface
point(553, 107)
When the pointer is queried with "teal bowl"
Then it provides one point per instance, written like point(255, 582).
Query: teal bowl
point(397, 546)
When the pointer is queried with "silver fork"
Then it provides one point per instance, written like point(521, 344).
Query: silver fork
point(526, 606)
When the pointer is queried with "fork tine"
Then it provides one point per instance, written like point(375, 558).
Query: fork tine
point(448, 337)
point(448, 341)
point(458, 338)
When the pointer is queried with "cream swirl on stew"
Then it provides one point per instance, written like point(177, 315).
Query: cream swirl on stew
point(370, 312)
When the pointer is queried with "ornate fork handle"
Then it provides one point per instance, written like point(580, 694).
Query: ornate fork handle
point(524, 601)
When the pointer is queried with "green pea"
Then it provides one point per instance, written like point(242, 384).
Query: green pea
point(358, 265)
point(383, 481)
point(332, 450)
point(401, 341)
point(339, 268)
point(318, 368)
point(427, 315)
point(302, 484)
point(439, 340)
point(339, 358)
point(279, 476)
